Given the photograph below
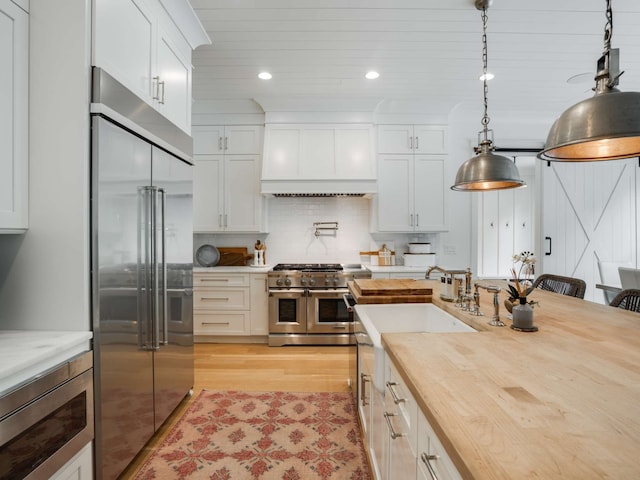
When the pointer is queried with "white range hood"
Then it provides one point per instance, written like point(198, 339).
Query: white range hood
point(318, 160)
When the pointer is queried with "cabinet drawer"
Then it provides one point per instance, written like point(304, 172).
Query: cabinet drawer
point(431, 450)
point(398, 400)
point(222, 299)
point(221, 280)
point(223, 323)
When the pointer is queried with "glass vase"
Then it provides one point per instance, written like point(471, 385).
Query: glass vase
point(522, 315)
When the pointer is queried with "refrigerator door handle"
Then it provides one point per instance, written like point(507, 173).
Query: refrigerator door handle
point(163, 294)
point(156, 271)
point(145, 272)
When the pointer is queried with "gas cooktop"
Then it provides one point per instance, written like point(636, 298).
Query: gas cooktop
point(309, 267)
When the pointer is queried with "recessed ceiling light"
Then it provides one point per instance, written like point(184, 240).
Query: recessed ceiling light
point(372, 75)
point(264, 76)
point(489, 76)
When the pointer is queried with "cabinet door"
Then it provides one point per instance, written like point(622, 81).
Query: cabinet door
point(243, 139)
point(208, 195)
point(14, 109)
point(124, 43)
point(488, 230)
point(208, 139)
point(429, 188)
point(173, 84)
point(429, 139)
point(259, 305)
point(353, 155)
point(395, 139)
point(505, 232)
point(243, 200)
point(395, 193)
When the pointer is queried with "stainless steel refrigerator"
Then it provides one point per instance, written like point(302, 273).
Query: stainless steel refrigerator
point(142, 290)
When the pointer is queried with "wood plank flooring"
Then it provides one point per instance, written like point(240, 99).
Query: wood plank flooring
point(258, 367)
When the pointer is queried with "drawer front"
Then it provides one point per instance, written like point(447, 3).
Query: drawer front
point(222, 299)
point(221, 280)
point(406, 408)
point(431, 452)
point(223, 323)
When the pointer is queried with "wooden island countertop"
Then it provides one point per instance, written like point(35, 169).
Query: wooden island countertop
point(563, 402)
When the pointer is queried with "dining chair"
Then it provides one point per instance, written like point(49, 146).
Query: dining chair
point(572, 287)
point(628, 299)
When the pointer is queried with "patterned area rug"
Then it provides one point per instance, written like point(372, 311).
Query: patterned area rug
point(263, 435)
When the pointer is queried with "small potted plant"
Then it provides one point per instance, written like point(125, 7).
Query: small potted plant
point(522, 276)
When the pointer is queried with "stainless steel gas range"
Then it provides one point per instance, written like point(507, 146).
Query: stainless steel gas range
point(307, 305)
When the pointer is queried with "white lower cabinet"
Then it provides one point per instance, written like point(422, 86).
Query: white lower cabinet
point(401, 418)
point(80, 467)
point(259, 304)
point(229, 304)
point(401, 443)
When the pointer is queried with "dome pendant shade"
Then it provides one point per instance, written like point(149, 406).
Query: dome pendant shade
point(487, 171)
point(603, 127)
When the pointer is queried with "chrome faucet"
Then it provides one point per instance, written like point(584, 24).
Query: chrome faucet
point(436, 268)
point(495, 319)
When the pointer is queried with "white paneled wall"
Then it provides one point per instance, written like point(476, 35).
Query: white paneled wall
point(292, 239)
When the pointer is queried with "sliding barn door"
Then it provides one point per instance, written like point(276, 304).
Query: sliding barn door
point(589, 215)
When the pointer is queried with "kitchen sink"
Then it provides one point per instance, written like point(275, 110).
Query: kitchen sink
point(375, 319)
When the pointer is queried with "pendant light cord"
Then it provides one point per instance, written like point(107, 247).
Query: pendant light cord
point(485, 117)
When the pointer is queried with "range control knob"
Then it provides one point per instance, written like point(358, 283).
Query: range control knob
point(279, 281)
point(336, 281)
point(303, 281)
point(327, 281)
point(312, 281)
point(287, 282)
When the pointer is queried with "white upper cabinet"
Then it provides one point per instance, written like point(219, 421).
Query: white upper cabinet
point(226, 189)
point(14, 122)
point(138, 43)
point(412, 139)
point(227, 140)
point(411, 186)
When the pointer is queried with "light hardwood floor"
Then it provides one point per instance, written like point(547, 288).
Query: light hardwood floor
point(256, 367)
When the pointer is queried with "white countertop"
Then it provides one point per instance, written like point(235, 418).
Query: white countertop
point(261, 269)
point(24, 354)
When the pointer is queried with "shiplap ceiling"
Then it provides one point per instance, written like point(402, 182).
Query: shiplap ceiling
point(426, 51)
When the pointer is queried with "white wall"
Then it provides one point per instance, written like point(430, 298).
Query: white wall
point(44, 274)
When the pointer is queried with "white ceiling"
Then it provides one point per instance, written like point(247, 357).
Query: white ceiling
point(428, 52)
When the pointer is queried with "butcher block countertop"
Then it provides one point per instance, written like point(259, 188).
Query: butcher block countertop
point(563, 402)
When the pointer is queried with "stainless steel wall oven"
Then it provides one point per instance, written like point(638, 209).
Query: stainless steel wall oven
point(46, 421)
point(306, 304)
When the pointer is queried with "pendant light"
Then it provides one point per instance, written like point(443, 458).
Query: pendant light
point(603, 127)
point(487, 170)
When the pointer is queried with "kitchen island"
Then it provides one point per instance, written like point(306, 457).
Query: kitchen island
point(563, 402)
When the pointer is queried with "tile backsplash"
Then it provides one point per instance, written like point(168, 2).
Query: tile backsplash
point(292, 239)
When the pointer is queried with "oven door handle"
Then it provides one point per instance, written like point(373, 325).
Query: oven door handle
point(287, 293)
point(336, 292)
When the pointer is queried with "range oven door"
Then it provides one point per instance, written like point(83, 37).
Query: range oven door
point(327, 312)
point(287, 311)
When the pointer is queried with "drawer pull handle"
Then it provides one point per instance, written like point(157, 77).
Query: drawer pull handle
point(364, 378)
point(215, 323)
point(392, 432)
point(214, 279)
point(427, 459)
point(396, 399)
point(212, 299)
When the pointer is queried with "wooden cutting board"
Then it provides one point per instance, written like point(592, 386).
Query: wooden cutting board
point(390, 297)
point(233, 256)
point(399, 286)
